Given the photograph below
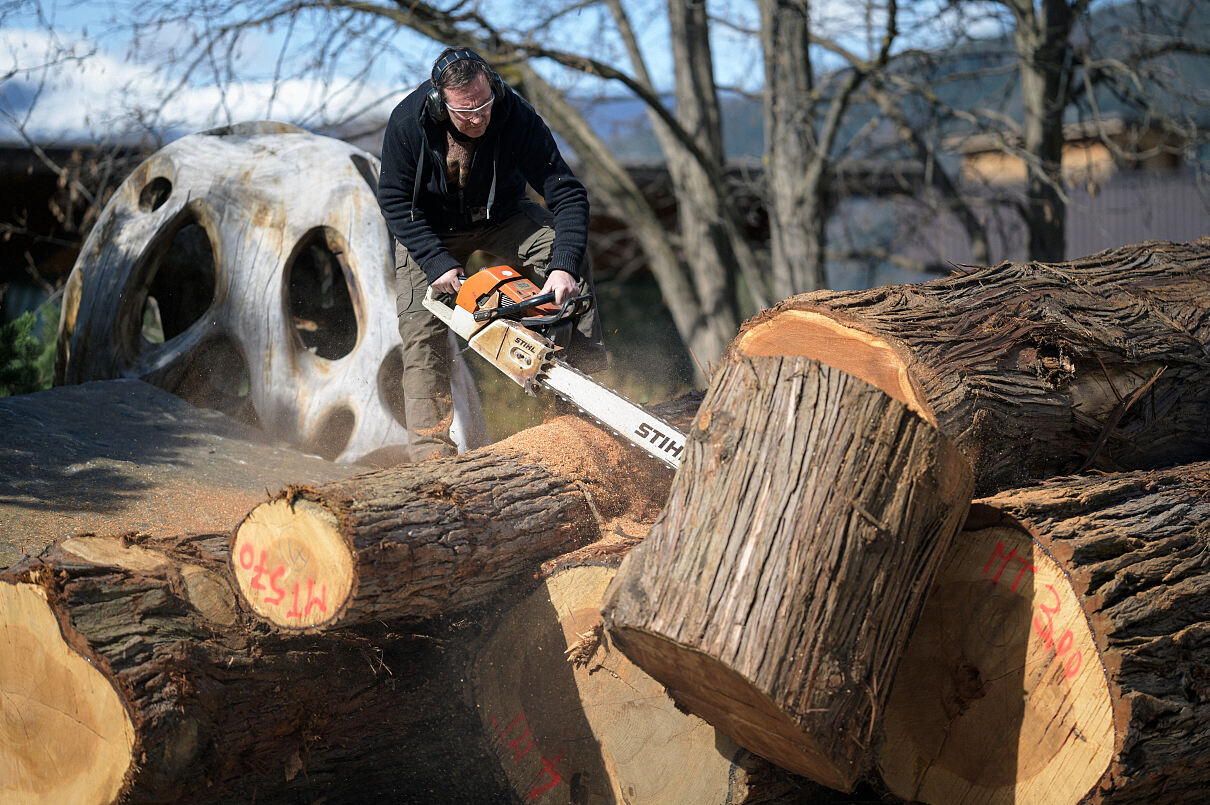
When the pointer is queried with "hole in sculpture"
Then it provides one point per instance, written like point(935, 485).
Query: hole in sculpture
point(154, 194)
point(180, 282)
point(333, 433)
point(367, 171)
point(215, 375)
point(318, 297)
point(390, 384)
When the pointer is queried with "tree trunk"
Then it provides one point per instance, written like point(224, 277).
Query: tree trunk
point(1064, 651)
point(1033, 370)
point(777, 589)
point(705, 336)
point(130, 674)
point(441, 536)
point(1043, 41)
point(797, 209)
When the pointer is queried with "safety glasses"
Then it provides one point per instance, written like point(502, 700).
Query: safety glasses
point(478, 111)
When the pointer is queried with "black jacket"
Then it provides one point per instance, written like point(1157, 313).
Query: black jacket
point(517, 148)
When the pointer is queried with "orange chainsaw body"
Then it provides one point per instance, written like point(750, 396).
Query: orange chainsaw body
point(490, 287)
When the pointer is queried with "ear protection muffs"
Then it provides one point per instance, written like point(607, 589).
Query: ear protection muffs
point(434, 103)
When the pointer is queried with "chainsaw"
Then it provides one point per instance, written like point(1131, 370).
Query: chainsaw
point(519, 330)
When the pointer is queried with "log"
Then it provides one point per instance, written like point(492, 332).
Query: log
point(571, 720)
point(1033, 370)
point(1064, 651)
point(776, 591)
point(130, 675)
point(439, 537)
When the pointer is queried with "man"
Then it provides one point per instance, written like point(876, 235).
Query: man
point(456, 156)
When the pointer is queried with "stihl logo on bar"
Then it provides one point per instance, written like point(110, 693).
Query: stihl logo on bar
point(525, 345)
point(661, 440)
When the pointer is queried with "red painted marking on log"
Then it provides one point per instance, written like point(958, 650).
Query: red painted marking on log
point(520, 752)
point(999, 552)
point(502, 732)
point(312, 601)
point(548, 767)
point(254, 582)
point(1048, 633)
point(1045, 631)
point(246, 556)
point(278, 572)
point(1066, 640)
point(294, 611)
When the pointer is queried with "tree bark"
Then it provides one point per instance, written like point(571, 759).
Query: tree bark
point(130, 674)
point(1064, 652)
point(1034, 370)
point(442, 536)
point(775, 593)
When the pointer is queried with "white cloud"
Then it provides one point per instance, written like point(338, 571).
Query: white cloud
point(71, 90)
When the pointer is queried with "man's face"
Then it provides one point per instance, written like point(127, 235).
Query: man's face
point(470, 107)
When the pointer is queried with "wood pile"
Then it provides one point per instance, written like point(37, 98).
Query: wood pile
point(936, 543)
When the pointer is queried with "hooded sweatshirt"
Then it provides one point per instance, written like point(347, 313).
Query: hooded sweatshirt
point(420, 205)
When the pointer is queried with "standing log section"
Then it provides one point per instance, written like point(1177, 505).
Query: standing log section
point(775, 593)
point(1064, 652)
point(1034, 370)
point(439, 537)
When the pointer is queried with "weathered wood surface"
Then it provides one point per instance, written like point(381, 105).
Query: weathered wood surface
point(777, 590)
point(1034, 370)
point(1064, 653)
point(121, 455)
point(441, 536)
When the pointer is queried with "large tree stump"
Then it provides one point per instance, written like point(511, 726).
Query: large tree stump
point(1034, 370)
point(1064, 653)
point(129, 674)
point(775, 593)
point(441, 536)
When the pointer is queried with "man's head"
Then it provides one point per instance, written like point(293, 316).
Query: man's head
point(465, 89)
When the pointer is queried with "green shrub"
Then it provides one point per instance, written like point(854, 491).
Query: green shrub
point(27, 353)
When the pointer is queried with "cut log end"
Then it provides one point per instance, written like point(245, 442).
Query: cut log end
point(702, 685)
point(818, 337)
point(292, 564)
point(1002, 649)
point(65, 734)
point(572, 720)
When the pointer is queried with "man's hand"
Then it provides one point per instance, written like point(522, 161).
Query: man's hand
point(563, 284)
point(448, 282)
